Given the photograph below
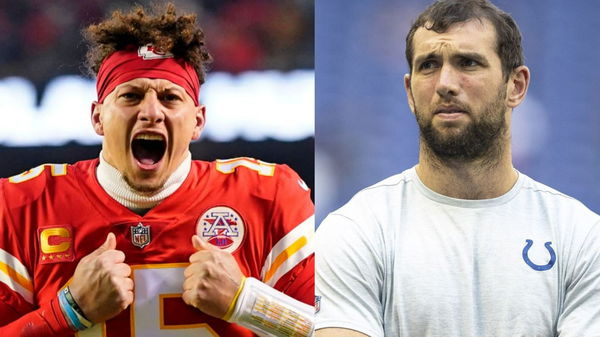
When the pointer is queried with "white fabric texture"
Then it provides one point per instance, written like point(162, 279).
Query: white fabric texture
point(402, 260)
point(268, 312)
point(113, 183)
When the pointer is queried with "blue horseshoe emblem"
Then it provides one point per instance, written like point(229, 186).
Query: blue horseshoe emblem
point(535, 266)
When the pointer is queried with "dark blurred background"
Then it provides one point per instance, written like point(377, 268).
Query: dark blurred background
point(264, 47)
point(366, 132)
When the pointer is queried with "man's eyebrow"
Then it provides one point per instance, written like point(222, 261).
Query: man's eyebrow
point(472, 56)
point(465, 55)
point(146, 86)
point(421, 58)
point(173, 88)
point(129, 86)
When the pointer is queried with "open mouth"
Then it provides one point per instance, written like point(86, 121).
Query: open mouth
point(148, 149)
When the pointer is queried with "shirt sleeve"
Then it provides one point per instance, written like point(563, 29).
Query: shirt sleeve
point(289, 265)
point(299, 283)
point(47, 321)
point(349, 274)
point(19, 314)
point(581, 314)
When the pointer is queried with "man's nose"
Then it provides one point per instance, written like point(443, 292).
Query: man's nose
point(448, 81)
point(151, 108)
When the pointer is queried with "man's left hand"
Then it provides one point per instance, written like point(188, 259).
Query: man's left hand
point(211, 280)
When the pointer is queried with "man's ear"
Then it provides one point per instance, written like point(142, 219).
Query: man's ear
point(518, 83)
point(200, 121)
point(409, 95)
point(96, 119)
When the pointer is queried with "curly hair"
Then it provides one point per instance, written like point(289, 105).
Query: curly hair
point(161, 27)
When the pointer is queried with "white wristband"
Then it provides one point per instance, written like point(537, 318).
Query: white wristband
point(269, 312)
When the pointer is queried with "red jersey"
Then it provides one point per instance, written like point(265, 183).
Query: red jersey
point(55, 214)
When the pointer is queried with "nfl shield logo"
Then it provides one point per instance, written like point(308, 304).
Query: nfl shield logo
point(140, 235)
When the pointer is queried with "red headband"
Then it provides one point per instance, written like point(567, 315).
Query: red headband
point(126, 65)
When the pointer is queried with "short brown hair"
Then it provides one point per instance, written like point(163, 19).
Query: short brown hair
point(444, 13)
point(161, 27)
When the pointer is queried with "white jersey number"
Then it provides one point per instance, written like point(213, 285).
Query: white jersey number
point(153, 284)
point(228, 166)
point(55, 170)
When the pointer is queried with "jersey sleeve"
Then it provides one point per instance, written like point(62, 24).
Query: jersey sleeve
point(289, 266)
point(581, 314)
point(19, 313)
point(47, 321)
point(349, 274)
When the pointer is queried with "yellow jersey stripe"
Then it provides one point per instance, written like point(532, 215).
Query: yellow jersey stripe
point(288, 251)
point(15, 276)
point(281, 258)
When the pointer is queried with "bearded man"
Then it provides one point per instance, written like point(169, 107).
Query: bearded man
point(462, 244)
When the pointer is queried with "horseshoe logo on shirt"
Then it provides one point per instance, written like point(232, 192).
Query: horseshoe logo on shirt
point(536, 266)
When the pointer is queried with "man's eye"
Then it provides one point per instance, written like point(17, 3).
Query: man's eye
point(171, 97)
point(467, 63)
point(131, 96)
point(428, 65)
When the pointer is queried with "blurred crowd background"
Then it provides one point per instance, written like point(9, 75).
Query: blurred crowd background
point(366, 132)
point(41, 39)
point(364, 129)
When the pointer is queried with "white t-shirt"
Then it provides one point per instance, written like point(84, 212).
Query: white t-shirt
point(402, 260)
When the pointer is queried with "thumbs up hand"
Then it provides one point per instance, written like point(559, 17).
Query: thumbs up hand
point(101, 285)
point(211, 280)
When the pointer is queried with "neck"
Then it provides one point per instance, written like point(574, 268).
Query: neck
point(113, 183)
point(483, 178)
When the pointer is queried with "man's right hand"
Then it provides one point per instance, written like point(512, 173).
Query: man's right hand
point(101, 285)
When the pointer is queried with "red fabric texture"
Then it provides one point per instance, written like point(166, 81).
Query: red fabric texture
point(47, 320)
point(270, 206)
point(126, 65)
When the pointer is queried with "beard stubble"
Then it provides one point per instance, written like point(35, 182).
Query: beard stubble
point(481, 138)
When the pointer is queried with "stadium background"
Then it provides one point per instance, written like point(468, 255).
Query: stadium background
point(365, 131)
point(259, 93)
